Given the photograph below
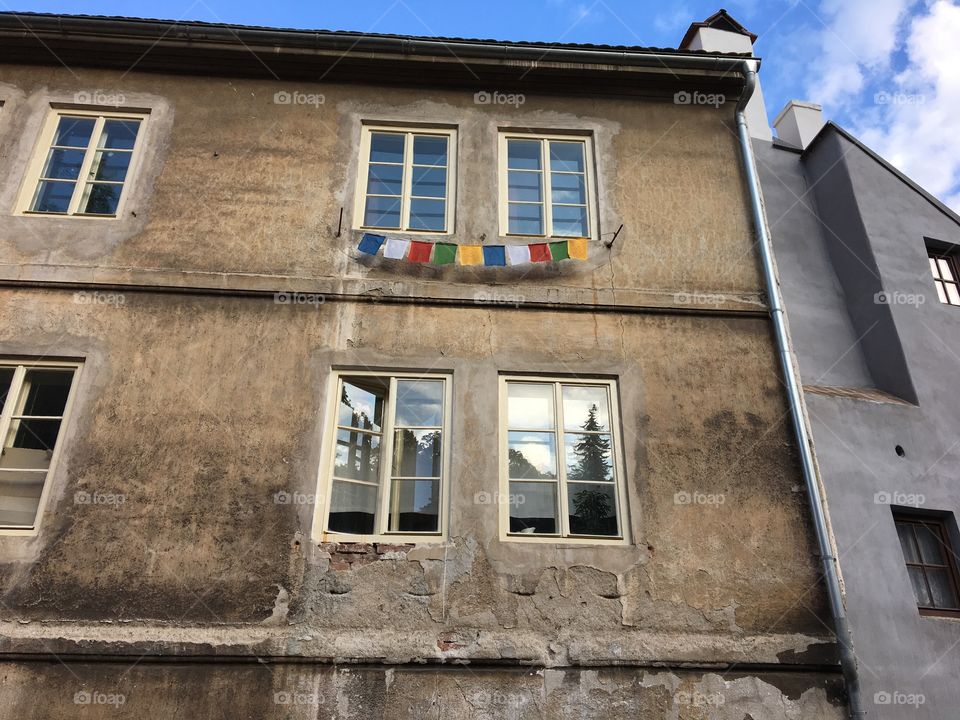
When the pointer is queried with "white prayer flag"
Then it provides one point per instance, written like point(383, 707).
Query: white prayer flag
point(395, 249)
point(519, 254)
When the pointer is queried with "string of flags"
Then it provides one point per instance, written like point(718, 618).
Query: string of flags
point(442, 253)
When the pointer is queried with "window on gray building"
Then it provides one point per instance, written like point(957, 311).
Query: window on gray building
point(931, 563)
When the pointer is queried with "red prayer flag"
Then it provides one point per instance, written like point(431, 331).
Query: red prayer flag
point(419, 251)
point(540, 252)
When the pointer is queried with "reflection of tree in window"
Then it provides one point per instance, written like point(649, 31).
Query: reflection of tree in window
point(592, 506)
point(520, 467)
point(592, 452)
point(424, 461)
point(360, 456)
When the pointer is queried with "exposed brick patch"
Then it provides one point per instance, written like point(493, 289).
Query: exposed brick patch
point(344, 556)
point(450, 641)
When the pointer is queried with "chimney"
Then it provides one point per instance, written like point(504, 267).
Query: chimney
point(721, 33)
point(798, 123)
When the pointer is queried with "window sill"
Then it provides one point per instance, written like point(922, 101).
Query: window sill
point(937, 613)
point(84, 216)
point(395, 231)
point(564, 541)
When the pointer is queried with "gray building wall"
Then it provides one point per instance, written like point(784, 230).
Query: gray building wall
point(846, 228)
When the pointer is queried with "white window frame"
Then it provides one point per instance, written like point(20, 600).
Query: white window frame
point(20, 369)
point(589, 181)
point(31, 182)
point(563, 537)
point(328, 456)
point(360, 197)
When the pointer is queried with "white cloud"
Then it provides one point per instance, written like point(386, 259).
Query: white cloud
point(917, 127)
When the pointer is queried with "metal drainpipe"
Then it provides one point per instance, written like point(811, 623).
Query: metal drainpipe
point(848, 660)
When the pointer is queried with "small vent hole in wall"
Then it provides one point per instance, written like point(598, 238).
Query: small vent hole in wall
point(900, 451)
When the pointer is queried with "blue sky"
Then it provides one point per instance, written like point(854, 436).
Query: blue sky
point(888, 70)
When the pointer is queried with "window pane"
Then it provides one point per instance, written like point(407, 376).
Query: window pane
point(382, 212)
point(533, 508)
point(566, 156)
point(384, 179)
point(568, 189)
point(46, 391)
point(941, 585)
point(919, 586)
point(429, 182)
point(6, 377)
point(416, 453)
point(74, 132)
point(29, 444)
point(20, 497)
point(429, 150)
point(940, 291)
point(63, 164)
point(532, 455)
point(909, 545)
point(588, 457)
point(53, 197)
point(419, 403)
point(357, 456)
point(386, 147)
point(569, 221)
point(102, 199)
point(530, 406)
point(945, 271)
point(415, 506)
point(427, 214)
point(523, 186)
point(353, 508)
point(525, 219)
point(931, 549)
point(523, 154)
point(361, 404)
point(119, 134)
point(111, 166)
point(585, 408)
point(933, 268)
point(952, 293)
point(593, 509)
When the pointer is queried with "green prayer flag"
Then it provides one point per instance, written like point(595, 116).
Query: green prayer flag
point(558, 250)
point(444, 253)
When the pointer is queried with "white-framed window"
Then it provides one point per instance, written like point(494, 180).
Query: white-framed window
point(560, 469)
point(546, 185)
point(82, 162)
point(36, 398)
point(407, 179)
point(385, 467)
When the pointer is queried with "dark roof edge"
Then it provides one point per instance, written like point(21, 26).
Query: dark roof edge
point(938, 204)
point(713, 21)
point(94, 28)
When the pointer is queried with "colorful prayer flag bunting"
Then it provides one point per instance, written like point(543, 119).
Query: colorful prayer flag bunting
point(539, 252)
point(558, 250)
point(370, 243)
point(577, 249)
point(395, 249)
point(471, 255)
point(494, 255)
point(444, 253)
point(420, 251)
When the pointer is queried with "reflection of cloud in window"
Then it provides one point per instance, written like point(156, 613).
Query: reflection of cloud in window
point(419, 403)
point(537, 451)
point(577, 402)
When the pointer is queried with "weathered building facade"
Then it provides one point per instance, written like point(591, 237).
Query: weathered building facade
point(203, 526)
point(868, 265)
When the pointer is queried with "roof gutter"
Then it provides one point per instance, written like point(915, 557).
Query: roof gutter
point(848, 660)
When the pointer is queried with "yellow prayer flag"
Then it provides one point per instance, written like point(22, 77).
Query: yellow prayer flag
point(577, 249)
point(471, 254)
